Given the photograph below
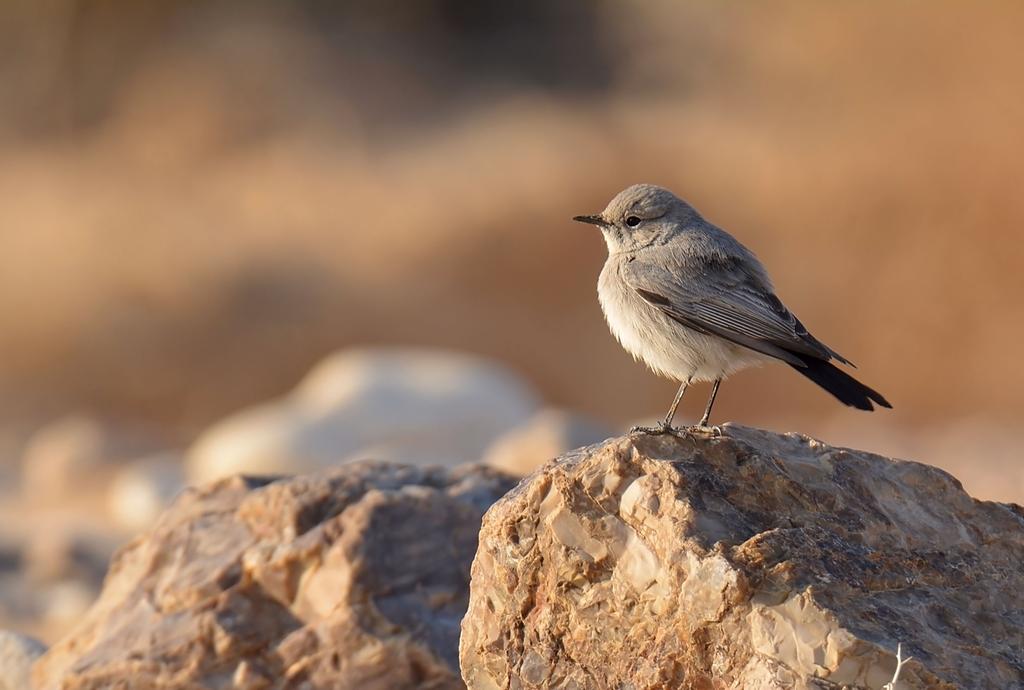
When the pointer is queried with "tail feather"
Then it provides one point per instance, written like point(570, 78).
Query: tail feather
point(844, 387)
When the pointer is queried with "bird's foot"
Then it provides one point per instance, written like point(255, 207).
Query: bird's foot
point(656, 430)
point(705, 428)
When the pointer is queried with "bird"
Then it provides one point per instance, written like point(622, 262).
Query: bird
point(690, 301)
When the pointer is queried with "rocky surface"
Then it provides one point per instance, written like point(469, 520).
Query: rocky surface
point(415, 406)
point(355, 578)
point(750, 560)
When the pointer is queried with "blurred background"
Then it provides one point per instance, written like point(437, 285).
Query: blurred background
point(200, 201)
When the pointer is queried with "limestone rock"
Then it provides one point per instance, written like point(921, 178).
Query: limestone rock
point(17, 653)
point(355, 578)
point(546, 435)
point(418, 406)
point(748, 561)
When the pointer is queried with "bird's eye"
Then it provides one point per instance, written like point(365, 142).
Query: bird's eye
point(632, 221)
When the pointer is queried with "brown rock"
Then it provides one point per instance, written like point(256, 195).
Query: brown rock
point(356, 578)
point(751, 560)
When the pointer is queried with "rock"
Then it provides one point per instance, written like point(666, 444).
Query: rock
point(17, 654)
point(55, 553)
point(355, 578)
point(141, 490)
point(546, 435)
point(59, 457)
point(751, 560)
point(426, 406)
point(71, 456)
point(51, 570)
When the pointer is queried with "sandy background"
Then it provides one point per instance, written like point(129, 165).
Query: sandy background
point(200, 200)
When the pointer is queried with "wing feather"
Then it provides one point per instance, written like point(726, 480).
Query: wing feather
point(726, 298)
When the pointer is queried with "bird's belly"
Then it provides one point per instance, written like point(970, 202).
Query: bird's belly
point(667, 347)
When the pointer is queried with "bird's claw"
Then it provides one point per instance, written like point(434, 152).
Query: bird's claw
point(657, 430)
point(706, 428)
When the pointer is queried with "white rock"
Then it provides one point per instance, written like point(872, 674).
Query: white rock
point(143, 489)
point(406, 401)
point(546, 435)
point(17, 653)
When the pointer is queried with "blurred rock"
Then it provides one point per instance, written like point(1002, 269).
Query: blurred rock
point(59, 574)
point(64, 603)
point(141, 490)
point(545, 436)
point(754, 561)
point(430, 406)
point(356, 578)
point(54, 553)
point(73, 455)
point(61, 456)
point(17, 654)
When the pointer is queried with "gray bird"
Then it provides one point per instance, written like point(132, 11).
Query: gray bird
point(694, 304)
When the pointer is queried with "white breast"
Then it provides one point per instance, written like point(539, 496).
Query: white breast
point(667, 347)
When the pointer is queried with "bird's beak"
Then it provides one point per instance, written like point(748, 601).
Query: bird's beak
point(593, 220)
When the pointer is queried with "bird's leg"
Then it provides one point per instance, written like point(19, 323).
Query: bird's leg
point(703, 424)
point(666, 424)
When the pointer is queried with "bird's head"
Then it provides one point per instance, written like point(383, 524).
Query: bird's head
point(640, 216)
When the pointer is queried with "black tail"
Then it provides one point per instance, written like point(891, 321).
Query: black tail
point(847, 389)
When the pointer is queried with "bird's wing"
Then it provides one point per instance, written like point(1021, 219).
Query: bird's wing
point(722, 296)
